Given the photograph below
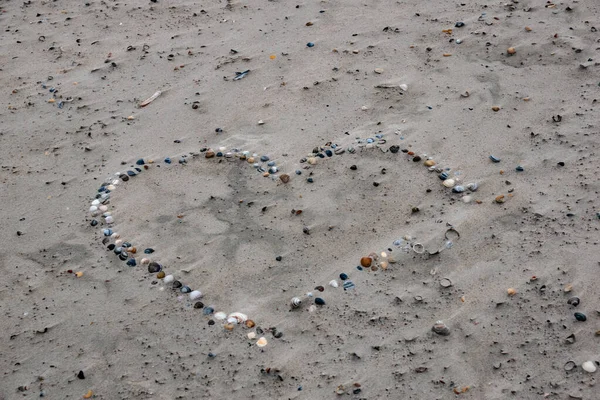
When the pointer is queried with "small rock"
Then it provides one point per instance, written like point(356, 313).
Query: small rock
point(379, 70)
point(589, 366)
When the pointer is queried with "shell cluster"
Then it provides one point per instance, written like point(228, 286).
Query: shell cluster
point(103, 218)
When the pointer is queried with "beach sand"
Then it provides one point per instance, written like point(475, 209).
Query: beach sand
point(73, 76)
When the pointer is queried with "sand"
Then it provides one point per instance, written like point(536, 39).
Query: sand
point(218, 225)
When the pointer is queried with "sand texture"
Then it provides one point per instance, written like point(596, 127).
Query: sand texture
point(388, 85)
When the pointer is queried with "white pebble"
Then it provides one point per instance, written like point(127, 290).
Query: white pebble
point(111, 187)
point(333, 283)
point(449, 183)
point(467, 199)
point(196, 294)
point(168, 278)
point(96, 202)
point(115, 235)
point(589, 366)
point(109, 219)
point(93, 209)
point(251, 335)
point(219, 316)
point(118, 242)
point(403, 86)
point(103, 208)
point(116, 182)
point(145, 261)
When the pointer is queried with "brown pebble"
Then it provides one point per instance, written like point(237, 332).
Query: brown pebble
point(528, 29)
point(250, 160)
point(429, 163)
point(209, 154)
point(250, 324)
point(285, 178)
point(447, 55)
point(496, 108)
point(511, 291)
point(511, 50)
point(160, 275)
point(499, 199)
point(366, 262)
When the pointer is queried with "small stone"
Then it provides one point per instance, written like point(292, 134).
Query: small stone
point(278, 258)
point(285, 178)
point(261, 122)
point(160, 275)
point(379, 70)
point(511, 50)
point(448, 183)
point(495, 108)
point(429, 163)
point(209, 154)
point(511, 291)
point(403, 87)
point(580, 317)
point(353, 167)
point(589, 366)
point(319, 301)
point(500, 199)
point(573, 301)
point(365, 262)
point(394, 149)
point(80, 375)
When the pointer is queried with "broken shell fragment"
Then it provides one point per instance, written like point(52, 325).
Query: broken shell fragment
point(238, 317)
point(511, 291)
point(570, 365)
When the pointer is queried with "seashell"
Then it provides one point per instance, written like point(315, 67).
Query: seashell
point(448, 183)
point(198, 304)
point(473, 186)
point(238, 317)
point(589, 366)
point(570, 365)
point(119, 242)
point(285, 178)
point(568, 288)
point(511, 291)
point(339, 151)
point(443, 176)
point(418, 248)
point(154, 267)
point(220, 315)
point(319, 301)
point(573, 301)
point(580, 316)
point(440, 328)
point(403, 87)
point(296, 302)
point(351, 150)
point(209, 154)
point(429, 163)
point(333, 283)
point(195, 294)
point(312, 160)
point(177, 284)
point(366, 262)
point(208, 310)
point(109, 219)
point(250, 324)
point(229, 326)
point(145, 261)
point(262, 342)
point(383, 264)
point(494, 159)
point(458, 189)
point(467, 199)
point(445, 283)
point(251, 335)
point(347, 286)
point(103, 208)
point(150, 99)
point(168, 279)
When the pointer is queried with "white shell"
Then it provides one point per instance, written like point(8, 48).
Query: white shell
point(109, 219)
point(93, 209)
point(116, 182)
point(296, 302)
point(251, 335)
point(333, 283)
point(115, 235)
point(103, 208)
point(96, 202)
point(403, 86)
point(238, 317)
point(448, 183)
point(145, 261)
point(220, 315)
point(111, 187)
point(168, 278)
point(195, 294)
point(118, 242)
point(589, 366)
point(262, 342)
point(222, 149)
point(467, 199)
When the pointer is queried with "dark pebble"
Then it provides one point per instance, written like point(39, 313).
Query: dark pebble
point(277, 335)
point(375, 184)
point(320, 288)
point(198, 304)
point(149, 251)
point(310, 180)
point(459, 24)
point(580, 316)
point(80, 375)
point(353, 167)
point(177, 284)
point(185, 289)
point(561, 164)
point(329, 153)
point(417, 158)
point(131, 262)
point(343, 276)
point(208, 310)
point(319, 301)
point(394, 149)
point(264, 158)
point(140, 161)
point(155, 267)
point(111, 246)
point(131, 173)
point(278, 258)
point(167, 160)
point(574, 301)
point(123, 256)
point(94, 222)
point(211, 322)
point(310, 44)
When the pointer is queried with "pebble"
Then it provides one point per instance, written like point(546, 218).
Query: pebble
point(448, 183)
point(580, 316)
point(573, 301)
point(310, 44)
point(333, 283)
point(285, 178)
point(319, 301)
point(343, 276)
point(366, 262)
point(154, 267)
point(511, 50)
point(589, 366)
point(379, 70)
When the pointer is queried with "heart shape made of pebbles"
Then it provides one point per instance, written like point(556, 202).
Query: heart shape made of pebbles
point(269, 231)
